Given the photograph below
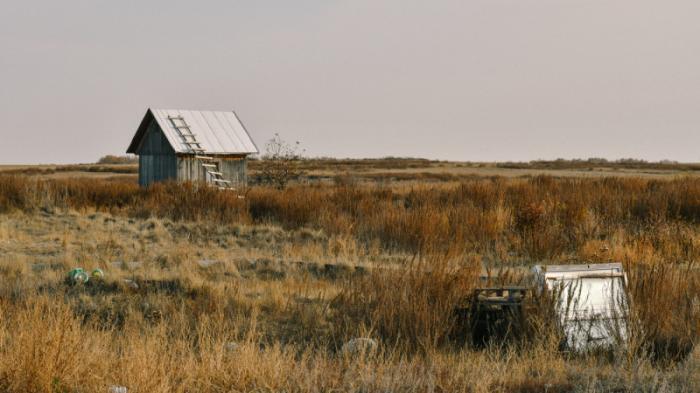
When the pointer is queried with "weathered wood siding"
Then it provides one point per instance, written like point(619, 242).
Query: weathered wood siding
point(232, 168)
point(154, 168)
point(190, 169)
point(157, 160)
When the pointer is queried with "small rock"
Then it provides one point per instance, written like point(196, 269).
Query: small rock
point(118, 389)
point(360, 346)
point(131, 283)
point(205, 263)
point(231, 346)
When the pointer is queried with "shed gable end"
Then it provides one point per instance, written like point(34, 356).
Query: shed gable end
point(154, 141)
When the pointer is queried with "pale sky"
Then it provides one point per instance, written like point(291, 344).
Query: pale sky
point(481, 80)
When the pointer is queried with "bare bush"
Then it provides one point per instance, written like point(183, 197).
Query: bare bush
point(281, 162)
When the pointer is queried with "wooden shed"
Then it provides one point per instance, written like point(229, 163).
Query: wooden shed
point(198, 146)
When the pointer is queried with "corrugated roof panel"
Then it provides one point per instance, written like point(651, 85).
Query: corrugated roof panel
point(218, 132)
point(242, 134)
point(215, 122)
point(222, 138)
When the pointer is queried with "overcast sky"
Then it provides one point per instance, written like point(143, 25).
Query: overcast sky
point(484, 80)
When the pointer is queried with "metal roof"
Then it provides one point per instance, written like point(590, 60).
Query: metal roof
point(217, 132)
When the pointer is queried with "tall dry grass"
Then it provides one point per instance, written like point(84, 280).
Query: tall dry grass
point(172, 333)
point(172, 338)
point(665, 310)
point(539, 218)
point(49, 346)
point(411, 309)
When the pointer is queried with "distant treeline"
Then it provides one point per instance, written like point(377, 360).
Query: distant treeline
point(358, 164)
point(97, 168)
point(118, 160)
point(594, 162)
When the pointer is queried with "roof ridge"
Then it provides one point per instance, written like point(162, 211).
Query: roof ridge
point(219, 132)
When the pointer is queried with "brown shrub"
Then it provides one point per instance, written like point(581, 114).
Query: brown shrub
point(409, 309)
point(665, 310)
point(541, 217)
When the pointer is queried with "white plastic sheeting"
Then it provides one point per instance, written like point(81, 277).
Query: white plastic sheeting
point(592, 302)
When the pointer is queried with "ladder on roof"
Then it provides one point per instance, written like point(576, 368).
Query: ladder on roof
point(211, 167)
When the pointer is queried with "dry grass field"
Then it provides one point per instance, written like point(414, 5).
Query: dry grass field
point(207, 292)
point(395, 170)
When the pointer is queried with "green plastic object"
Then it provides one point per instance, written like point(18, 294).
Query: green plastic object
point(78, 276)
point(75, 271)
point(98, 274)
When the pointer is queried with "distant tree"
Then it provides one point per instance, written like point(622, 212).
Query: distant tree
point(597, 160)
point(633, 161)
point(118, 160)
point(281, 162)
point(668, 162)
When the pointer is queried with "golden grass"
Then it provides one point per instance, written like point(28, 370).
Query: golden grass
point(299, 272)
point(537, 218)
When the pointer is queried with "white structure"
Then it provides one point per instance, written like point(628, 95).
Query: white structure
point(592, 303)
